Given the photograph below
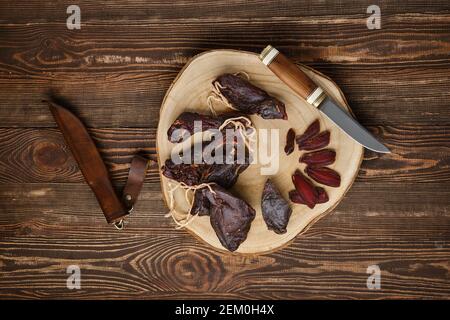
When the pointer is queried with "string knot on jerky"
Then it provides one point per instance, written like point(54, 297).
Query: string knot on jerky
point(216, 94)
point(247, 131)
point(187, 217)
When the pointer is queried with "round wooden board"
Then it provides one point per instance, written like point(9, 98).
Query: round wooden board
point(189, 92)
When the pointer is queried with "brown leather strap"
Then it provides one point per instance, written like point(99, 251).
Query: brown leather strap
point(136, 177)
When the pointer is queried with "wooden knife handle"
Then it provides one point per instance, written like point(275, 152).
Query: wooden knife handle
point(290, 74)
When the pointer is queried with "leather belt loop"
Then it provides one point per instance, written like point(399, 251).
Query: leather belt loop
point(136, 177)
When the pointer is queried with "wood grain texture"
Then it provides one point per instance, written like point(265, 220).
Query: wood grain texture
point(48, 11)
point(96, 64)
point(420, 153)
point(43, 234)
point(115, 71)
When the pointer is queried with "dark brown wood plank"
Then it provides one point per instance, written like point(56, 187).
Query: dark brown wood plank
point(41, 155)
point(42, 233)
point(139, 96)
point(115, 71)
point(140, 100)
point(420, 153)
point(103, 78)
point(131, 11)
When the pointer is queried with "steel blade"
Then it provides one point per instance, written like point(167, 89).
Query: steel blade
point(350, 126)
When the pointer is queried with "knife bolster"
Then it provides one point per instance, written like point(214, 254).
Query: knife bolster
point(316, 97)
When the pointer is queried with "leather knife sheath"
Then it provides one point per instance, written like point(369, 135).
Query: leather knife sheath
point(94, 170)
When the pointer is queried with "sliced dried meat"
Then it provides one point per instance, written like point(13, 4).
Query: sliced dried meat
point(312, 130)
point(305, 189)
point(319, 158)
point(322, 196)
point(290, 142)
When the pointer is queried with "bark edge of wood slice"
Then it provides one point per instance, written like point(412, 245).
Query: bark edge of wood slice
point(189, 91)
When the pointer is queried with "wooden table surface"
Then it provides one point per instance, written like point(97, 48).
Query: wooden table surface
point(115, 71)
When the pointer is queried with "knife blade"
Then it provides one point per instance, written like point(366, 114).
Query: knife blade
point(90, 162)
point(298, 81)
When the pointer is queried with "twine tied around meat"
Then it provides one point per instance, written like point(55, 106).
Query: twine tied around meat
point(216, 94)
point(248, 134)
point(249, 138)
point(188, 217)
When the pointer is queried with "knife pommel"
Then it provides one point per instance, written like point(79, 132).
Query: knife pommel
point(291, 75)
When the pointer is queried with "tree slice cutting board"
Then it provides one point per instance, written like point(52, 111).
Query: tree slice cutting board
point(189, 92)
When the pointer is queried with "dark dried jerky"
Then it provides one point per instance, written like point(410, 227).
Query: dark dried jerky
point(192, 174)
point(249, 99)
point(225, 175)
point(275, 209)
point(183, 126)
point(230, 216)
point(200, 205)
point(290, 142)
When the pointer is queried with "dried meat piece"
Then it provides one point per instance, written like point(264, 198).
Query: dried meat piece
point(305, 188)
point(249, 99)
point(200, 205)
point(312, 130)
point(317, 142)
point(290, 142)
point(225, 175)
point(319, 158)
point(192, 173)
point(183, 127)
point(324, 175)
point(295, 197)
point(275, 209)
point(322, 196)
point(230, 216)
